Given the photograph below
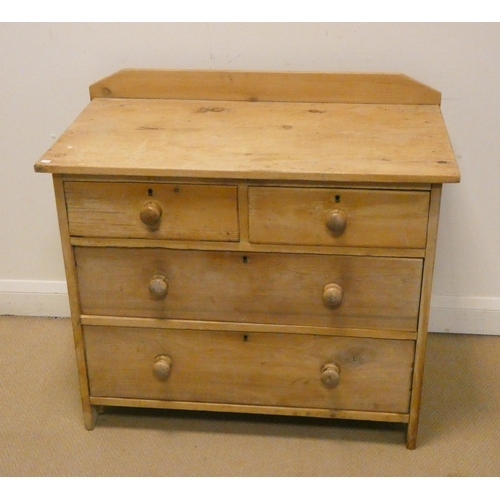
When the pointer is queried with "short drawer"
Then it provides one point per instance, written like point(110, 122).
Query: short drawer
point(338, 217)
point(288, 289)
point(148, 210)
point(250, 368)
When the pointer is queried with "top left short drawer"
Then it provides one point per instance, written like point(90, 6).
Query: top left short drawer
point(175, 211)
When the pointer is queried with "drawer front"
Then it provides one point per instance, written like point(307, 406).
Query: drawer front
point(251, 368)
point(338, 217)
point(318, 290)
point(143, 210)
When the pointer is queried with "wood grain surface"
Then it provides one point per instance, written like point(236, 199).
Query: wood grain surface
point(251, 287)
point(250, 368)
point(259, 140)
point(188, 211)
point(374, 218)
point(287, 86)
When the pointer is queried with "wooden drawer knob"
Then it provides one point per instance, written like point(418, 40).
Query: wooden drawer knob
point(158, 287)
point(162, 366)
point(330, 375)
point(336, 221)
point(151, 213)
point(332, 295)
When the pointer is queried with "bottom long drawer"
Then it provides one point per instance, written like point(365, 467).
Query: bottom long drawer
point(314, 371)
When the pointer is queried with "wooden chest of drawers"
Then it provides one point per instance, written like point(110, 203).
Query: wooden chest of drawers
point(252, 242)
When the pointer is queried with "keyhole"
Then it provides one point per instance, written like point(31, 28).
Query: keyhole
point(245, 259)
point(245, 338)
point(337, 198)
point(150, 192)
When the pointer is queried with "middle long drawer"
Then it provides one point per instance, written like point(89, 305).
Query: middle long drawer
point(272, 288)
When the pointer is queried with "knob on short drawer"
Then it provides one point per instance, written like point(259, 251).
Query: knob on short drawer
point(158, 287)
point(336, 221)
point(151, 213)
point(332, 295)
point(330, 375)
point(162, 366)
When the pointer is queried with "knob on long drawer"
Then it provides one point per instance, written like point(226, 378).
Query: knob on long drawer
point(151, 213)
point(162, 366)
point(158, 287)
point(330, 375)
point(332, 295)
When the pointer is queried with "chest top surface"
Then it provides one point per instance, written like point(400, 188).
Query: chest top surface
point(254, 139)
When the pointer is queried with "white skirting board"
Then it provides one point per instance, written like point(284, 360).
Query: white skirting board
point(34, 298)
point(474, 315)
point(449, 314)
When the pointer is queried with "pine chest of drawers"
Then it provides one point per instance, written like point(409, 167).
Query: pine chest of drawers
point(252, 242)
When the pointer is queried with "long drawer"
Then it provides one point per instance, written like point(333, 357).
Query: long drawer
point(152, 210)
point(250, 368)
point(288, 289)
point(338, 217)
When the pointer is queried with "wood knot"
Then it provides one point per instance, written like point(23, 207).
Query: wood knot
point(216, 109)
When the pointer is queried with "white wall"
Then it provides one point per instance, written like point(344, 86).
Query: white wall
point(45, 71)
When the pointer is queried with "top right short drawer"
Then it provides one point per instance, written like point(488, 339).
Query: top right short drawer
point(381, 218)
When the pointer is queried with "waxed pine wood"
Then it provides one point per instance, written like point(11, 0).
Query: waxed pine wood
point(189, 211)
point(226, 326)
point(378, 416)
point(89, 412)
point(418, 372)
point(258, 242)
point(253, 368)
point(255, 86)
point(374, 218)
point(263, 140)
point(257, 288)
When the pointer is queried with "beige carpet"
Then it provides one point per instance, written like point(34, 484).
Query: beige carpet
point(42, 434)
